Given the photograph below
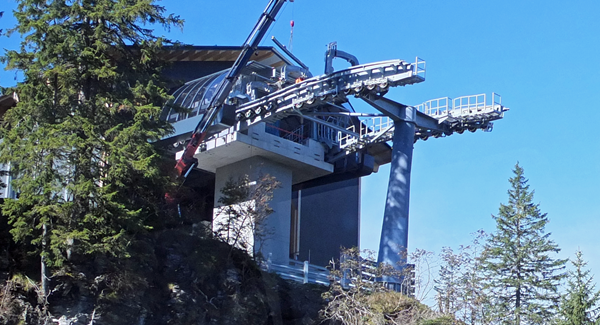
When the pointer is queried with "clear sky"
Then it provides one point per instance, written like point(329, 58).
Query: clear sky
point(543, 57)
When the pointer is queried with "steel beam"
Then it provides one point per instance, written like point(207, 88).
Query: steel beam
point(401, 112)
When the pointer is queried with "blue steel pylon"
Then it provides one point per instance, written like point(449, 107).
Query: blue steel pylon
point(394, 233)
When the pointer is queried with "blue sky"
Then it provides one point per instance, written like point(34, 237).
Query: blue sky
point(543, 57)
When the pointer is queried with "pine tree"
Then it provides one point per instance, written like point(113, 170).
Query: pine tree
point(522, 273)
point(79, 140)
point(580, 304)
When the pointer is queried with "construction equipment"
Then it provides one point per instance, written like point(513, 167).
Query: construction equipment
point(216, 102)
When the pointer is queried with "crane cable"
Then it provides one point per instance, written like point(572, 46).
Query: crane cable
point(292, 23)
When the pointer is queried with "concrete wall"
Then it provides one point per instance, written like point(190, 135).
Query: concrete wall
point(6, 191)
point(330, 218)
point(277, 245)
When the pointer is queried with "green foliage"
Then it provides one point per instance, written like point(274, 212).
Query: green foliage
point(13, 294)
point(23, 281)
point(442, 320)
point(79, 140)
point(580, 304)
point(518, 261)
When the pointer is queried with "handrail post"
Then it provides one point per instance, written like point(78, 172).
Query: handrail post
point(269, 262)
point(305, 272)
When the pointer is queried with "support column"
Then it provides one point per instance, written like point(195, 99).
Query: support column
point(277, 244)
point(394, 232)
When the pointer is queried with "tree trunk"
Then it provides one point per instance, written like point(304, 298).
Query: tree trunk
point(43, 269)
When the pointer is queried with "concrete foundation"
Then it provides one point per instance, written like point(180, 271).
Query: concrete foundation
point(276, 245)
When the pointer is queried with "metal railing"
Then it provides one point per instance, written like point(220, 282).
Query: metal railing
point(296, 136)
point(468, 104)
point(462, 106)
point(370, 274)
point(466, 112)
point(435, 107)
point(303, 272)
point(419, 67)
point(369, 130)
point(328, 135)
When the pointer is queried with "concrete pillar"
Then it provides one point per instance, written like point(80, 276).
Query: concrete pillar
point(277, 245)
point(394, 233)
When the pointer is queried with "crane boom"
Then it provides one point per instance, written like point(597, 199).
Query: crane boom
point(187, 159)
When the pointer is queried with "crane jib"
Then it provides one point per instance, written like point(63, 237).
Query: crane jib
point(216, 104)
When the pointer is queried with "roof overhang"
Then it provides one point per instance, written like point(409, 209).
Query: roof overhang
point(6, 102)
point(267, 55)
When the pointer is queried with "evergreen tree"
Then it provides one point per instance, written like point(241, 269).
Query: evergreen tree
point(580, 304)
point(79, 140)
point(522, 273)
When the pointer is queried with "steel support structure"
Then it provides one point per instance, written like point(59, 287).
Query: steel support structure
point(394, 232)
point(393, 244)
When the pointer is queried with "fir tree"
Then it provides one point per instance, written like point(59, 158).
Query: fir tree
point(79, 140)
point(522, 273)
point(580, 304)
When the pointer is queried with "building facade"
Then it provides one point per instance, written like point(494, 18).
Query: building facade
point(317, 207)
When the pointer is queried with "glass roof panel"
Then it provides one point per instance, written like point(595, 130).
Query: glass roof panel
point(195, 95)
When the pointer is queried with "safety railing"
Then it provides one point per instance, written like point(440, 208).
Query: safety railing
point(347, 139)
point(420, 67)
point(434, 107)
point(369, 129)
point(497, 99)
point(370, 274)
point(303, 272)
point(375, 125)
point(294, 136)
point(469, 104)
point(480, 104)
point(327, 134)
